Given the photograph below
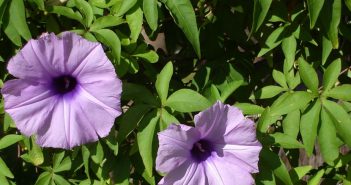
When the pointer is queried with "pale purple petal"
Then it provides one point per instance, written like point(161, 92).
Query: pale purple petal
point(28, 104)
point(175, 144)
point(217, 121)
point(78, 118)
point(223, 171)
point(188, 173)
point(67, 93)
point(101, 115)
point(226, 151)
point(62, 54)
point(27, 66)
point(57, 132)
point(241, 144)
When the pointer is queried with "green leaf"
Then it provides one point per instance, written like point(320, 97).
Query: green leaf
point(44, 179)
point(331, 74)
point(130, 120)
point(286, 141)
point(60, 180)
point(85, 156)
point(212, 93)
point(327, 47)
point(187, 100)
point(18, 18)
point(144, 53)
point(314, 8)
point(134, 19)
point(86, 10)
point(229, 89)
point(261, 8)
point(121, 170)
point(289, 49)
point(106, 21)
point(111, 142)
point(40, 4)
point(276, 164)
point(279, 78)
point(110, 38)
point(331, 15)
point(36, 154)
point(309, 126)
point(166, 119)
point(67, 12)
point(316, 179)
point(3, 180)
point(342, 92)
point(184, 16)
point(12, 34)
point(5, 171)
point(64, 165)
point(9, 140)
point(298, 172)
point(3, 7)
point(266, 120)
point(145, 137)
point(291, 123)
point(267, 92)
point(341, 119)
point(348, 4)
point(291, 102)
point(308, 75)
point(126, 6)
point(151, 13)
point(138, 93)
point(327, 138)
point(249, 108)
point(97, 153)
point(273, 40)
point(163, 80)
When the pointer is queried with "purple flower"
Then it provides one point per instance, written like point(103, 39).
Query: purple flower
point(222, 149)
point(67, 91)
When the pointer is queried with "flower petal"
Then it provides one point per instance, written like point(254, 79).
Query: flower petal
point(29, 105)
point(175, 144)
point(75, 121)
point(94, 66)
point(242, 145)
point(187, 173)
point(94, 79)
point(217, 120)
point(221, 171)
point(67, 127)
point(91, 106)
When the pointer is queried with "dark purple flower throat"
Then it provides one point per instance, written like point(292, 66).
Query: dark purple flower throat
point(64, 84)
point(201, 150)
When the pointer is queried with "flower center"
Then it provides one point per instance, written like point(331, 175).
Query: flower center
point(201, 150)
point(64, 84)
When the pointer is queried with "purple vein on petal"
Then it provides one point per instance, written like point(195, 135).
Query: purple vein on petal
point(38, 60)
point(236, 148)
point(84, 62)
point(88, 120)
point(179, 142)
point(67, 118)
point(190, 173)
point(212, 167)
point(40, 97)
point(86, 94)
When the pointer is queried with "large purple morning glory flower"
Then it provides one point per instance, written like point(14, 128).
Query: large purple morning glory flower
point(67, 91)
point(222, 149)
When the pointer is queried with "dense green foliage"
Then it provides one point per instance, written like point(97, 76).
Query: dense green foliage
point(285, 63)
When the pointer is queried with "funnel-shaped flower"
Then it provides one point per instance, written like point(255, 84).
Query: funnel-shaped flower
point(222, 149)
point(67, 91)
